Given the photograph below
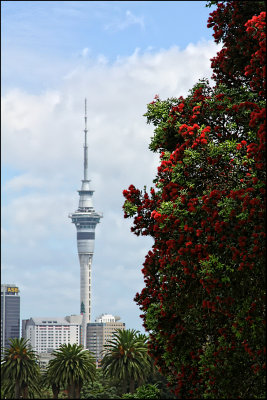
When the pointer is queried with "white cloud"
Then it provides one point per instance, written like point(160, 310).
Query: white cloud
point(123, 276)
point(57, 291)
point(42, 136)
point(85, 52)
point(35, 216)
point(24, 181)
point(128, 20)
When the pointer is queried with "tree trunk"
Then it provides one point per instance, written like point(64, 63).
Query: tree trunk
point(71, 391)
point(55, 390)
point(124, 387)
point(131, 385)
point(25, 392)
point(78, 391)
point(17, 390)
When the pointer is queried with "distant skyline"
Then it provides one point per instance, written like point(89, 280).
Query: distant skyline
point(118, 54)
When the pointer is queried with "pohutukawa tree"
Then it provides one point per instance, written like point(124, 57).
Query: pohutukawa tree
point(204, 295)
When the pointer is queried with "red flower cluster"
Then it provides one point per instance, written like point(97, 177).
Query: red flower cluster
point(256, 27)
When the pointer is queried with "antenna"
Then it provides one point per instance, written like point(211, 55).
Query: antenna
point(85, 143)
point(85, 113)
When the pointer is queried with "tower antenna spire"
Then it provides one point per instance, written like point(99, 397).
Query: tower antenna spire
point(85, 168)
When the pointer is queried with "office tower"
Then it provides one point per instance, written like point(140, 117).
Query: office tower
point(99, 332)
point(47, 334)
point(85, 220)
point(10, 313)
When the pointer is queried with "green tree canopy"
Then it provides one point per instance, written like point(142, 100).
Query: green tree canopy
point(20, 372)
point(126, 358)
point(71, 367)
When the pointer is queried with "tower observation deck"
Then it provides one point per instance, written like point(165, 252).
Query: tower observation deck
point(85, 220)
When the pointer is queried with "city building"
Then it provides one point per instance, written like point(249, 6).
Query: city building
point(10, 313)
point(99, 332)
point(44, 358)
point(47, 334)
point(85, 220)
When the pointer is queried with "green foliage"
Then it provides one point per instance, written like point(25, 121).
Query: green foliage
point(147, 391)
point(158, 114)
point(101, 388)
point(20, 373)
point(108, 388)
point(126, 358)
point(71, 367)
point(130, 208)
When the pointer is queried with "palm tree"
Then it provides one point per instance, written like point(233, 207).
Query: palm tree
point(20, 372)
point(49, 379)
point(126, 358)
point(70, 368)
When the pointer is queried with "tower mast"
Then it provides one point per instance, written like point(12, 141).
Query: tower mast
point(85, 162)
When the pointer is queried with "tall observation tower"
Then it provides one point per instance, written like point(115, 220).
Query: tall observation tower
point(85, 220)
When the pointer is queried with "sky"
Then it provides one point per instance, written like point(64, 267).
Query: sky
point(118, 55)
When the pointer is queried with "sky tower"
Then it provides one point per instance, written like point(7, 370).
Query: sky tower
point(85, 220)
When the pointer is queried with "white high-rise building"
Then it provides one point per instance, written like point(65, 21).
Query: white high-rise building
point(85, 220)
point(47, 334)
